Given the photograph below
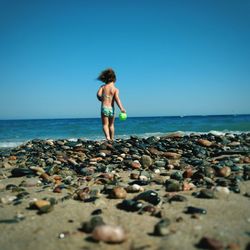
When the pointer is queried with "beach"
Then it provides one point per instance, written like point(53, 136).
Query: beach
point(172, 192)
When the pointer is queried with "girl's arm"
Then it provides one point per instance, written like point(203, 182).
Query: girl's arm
point(118, 101)
point(99, 94)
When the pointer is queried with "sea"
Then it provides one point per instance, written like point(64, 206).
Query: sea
point(16, 132)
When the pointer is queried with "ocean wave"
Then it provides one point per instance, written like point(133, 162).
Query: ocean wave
point(10, 144)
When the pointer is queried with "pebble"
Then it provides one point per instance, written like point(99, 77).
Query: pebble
point(130, 205)
point(119, 193)
point(195, 210)
point(19, 172)
point(213, 163)
point(172, 155)
point(7, 165)
point(233, 246)
point(161, 228)
point(8, 199)
point(176, 175)
point(134, 188)
point(136, 164)
point(206, 194)
point(205, 143)
point(109, 234)
point(43, 206)
point(172, 186)
point(210, 243)
point(146, 161)
point(160, 164)
point(187, 173)
point(224, 171)
point(89, 226)
point(97, 212)
point(177, 197)
point(222, 190)
point(143, 178)
point(32, 182)
point(2, 187)
point(149, 196)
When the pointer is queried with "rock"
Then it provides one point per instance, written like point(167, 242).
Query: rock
point(2, 187)
point(222, 190)
point(246, 160)
point(158, 179)
point(247, 194)
point(160, 164)
point(19, 172)
point(188, 173)
point(235, 168)
point(233, 246)
point(143, 178)
point(12, 158)
point(8, 199)
point(97, 212)
point(206, 194)
point(172, 155)
point(149, 196)
point(224, 171)
point(46, 178)
point(172, 186)
point(146, 161)
point(176, 175)
point(119, 193)
point(6, 165)
point(139, 182)
point(210, 243)
point(109, 233)
point(73, 162)
point(31, 182)
point(135, 188)
point(177, 197)
point(161, 228)
point(235, 188)
point(195, 210)
point(188, 186)
point(89, 226)
point(205, 143)
point(135, 164)
point(130, 205)
point(134, 176)
point(43, 206)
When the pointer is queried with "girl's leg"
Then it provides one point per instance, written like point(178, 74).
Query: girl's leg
point(105, 125)
point(112, 127)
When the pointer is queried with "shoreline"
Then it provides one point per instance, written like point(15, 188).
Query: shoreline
point(176, 191)
point(124, 137)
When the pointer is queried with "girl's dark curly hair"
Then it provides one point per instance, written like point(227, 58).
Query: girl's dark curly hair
point(107, 75)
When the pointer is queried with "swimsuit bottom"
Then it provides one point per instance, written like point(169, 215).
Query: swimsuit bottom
point(108, 111)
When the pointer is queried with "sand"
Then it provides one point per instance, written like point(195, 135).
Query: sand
point(227, 219)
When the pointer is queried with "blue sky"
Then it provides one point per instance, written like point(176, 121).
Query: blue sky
point(171, 57)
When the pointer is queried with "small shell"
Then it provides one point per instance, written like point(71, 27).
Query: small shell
point(108, 233)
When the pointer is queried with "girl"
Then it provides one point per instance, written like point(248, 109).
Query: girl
point(107, 95)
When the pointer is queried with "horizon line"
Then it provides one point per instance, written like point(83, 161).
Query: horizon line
point(157, 116)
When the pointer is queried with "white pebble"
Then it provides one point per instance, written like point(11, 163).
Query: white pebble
point(223, 190)
point(143, 178)
point(157, 171)
point(108, 233)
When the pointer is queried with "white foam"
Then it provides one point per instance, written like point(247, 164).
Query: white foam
point(10, 144)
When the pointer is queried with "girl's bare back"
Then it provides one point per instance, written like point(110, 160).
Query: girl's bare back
point(108, 95)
